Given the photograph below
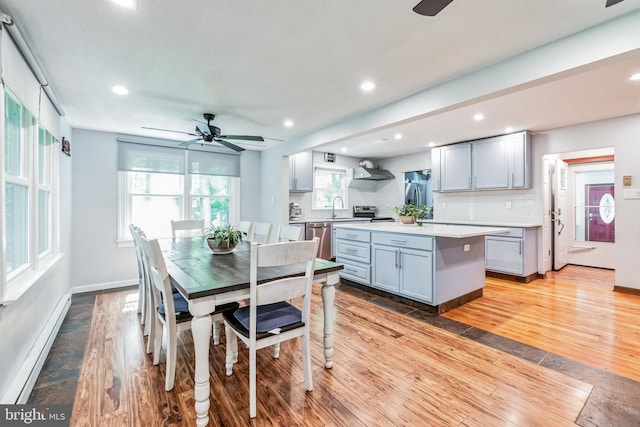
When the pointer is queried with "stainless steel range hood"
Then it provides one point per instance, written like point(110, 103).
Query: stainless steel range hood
point(366, 171)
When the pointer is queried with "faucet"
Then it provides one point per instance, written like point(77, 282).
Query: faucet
point(333, 206)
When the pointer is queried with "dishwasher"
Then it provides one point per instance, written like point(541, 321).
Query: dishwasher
point(322, 230)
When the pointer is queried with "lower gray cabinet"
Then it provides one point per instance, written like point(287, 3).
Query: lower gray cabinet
point(353, 251)
point(403, 270)
point(515, 252)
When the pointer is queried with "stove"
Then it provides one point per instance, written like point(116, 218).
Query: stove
point(370, 212)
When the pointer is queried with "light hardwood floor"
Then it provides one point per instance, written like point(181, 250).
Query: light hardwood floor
point(390, 368)
point(573, 313)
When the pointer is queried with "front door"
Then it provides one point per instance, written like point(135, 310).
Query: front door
point(601, 213)
point(560, 215)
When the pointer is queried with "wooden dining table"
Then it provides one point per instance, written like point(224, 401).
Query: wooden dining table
point(207, 280)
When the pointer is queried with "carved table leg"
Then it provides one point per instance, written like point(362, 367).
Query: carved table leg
point(201, 330)
point(328, 297)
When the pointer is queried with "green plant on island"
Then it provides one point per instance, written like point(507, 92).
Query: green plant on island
point(411, 210)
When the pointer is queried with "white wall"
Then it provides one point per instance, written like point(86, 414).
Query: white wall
point(23, 322)
point(96, 260)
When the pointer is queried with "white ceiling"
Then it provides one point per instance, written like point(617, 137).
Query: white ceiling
point(255, 64)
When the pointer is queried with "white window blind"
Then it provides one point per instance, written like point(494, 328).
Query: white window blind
point(149, 158)
point(211, 163)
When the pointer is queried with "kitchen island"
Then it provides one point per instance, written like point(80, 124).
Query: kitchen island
point(442, 266)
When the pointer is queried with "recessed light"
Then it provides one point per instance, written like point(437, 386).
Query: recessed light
point(398, 136)
point(288, 123)
point(432, 144)
point(635, 77)
point(129, 4)
point(343, 149)
point(478, 117)
point(368, 86)
point(120, 90)
point(508, 130)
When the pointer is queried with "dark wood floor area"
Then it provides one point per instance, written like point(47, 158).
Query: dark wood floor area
point(477, 365)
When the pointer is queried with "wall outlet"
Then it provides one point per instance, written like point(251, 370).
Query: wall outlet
point(444, 205)
point(508, 204)
point(467, 247)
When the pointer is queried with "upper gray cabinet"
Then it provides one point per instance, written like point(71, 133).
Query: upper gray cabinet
point(490, 163)
point(501, 162)
point(301, 172)
point(455, 167)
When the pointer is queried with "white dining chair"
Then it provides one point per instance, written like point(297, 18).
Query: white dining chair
point(171, 309)
point(261, 233)
point(142, 279)
point(247, 229)
point(188, 227)
point(290, 233)
point(269, 319)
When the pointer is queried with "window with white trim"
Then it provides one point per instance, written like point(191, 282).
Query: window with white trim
point(29, 194)
point(329, 183)
point(158, 184)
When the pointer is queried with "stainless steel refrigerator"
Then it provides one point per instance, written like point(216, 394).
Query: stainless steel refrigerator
point(417, 189)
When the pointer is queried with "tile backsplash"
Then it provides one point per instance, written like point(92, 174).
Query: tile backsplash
point(503, 206)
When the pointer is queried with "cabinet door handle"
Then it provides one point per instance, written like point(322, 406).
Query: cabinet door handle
point(351, 250)
point(400, 242)
point(396, 258)
point(520, 247)
point(475, 181)
point(469, 182)
point(513, 179)
point(399, 259)
point(352, 236)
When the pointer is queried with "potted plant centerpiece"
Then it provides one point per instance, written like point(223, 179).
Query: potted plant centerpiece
point(223, 240)
point(407, 214)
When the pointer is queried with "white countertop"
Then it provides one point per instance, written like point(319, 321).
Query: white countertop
point(338, 219)
point(484, 223)
point(437, 230)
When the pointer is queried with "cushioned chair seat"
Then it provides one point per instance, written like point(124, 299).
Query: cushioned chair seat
point(271, 316)
point(182, 308)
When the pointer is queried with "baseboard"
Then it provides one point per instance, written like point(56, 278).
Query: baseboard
point(103, 286)
point(625, 290)
point(22, 385)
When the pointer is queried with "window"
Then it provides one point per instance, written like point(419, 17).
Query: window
point(328, 183)
point(28, 193)
point(595, 207)
point(159, 184)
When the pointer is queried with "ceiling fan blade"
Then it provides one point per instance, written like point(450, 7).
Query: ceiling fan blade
point(612, 2)
point(243, 137)
point(169, 130)
point(203, 128)
point(188, 143)
point(432, 7)
point(228, 144)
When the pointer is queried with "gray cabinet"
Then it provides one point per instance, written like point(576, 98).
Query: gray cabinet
point(403, 264)
point(334, 243)
point(502, 162)
point(353, 251)
point(301, 172)
point(513, 253)
point(490, 163)
point(520, 159)
point(436, 158)
point(455, 167)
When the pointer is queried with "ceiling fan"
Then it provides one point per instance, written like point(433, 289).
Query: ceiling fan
point(433, 7)
point(206, 132)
